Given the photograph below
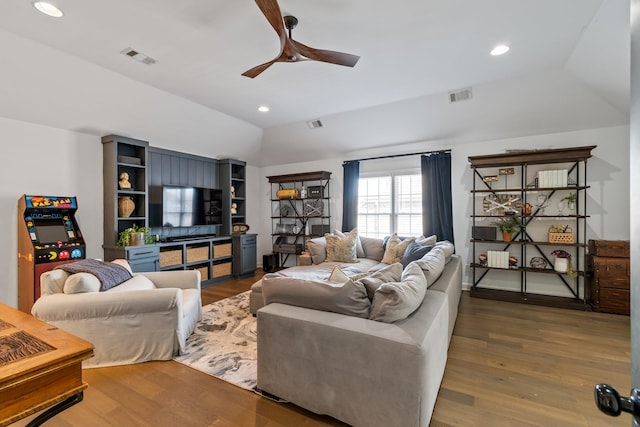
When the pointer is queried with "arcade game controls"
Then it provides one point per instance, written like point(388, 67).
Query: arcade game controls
point(48, 235)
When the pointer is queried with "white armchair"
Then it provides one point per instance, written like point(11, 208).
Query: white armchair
point(148, 317)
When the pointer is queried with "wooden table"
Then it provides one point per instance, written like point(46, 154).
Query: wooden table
point(40, 367)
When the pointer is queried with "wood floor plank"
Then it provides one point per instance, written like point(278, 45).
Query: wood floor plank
point(509, 365)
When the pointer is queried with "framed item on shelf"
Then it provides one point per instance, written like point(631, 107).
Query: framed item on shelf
point(239, 228)
point(313, 208)
point(315, 191)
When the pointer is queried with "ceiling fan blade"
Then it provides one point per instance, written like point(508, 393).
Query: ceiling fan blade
point(271, 11)
point(330, 56)
point(255, 71)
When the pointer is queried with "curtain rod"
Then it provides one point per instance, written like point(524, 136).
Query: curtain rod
point(398, 155)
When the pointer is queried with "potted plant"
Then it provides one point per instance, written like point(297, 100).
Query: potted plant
point(508, 225)
point(134, 234)
point(562, 263)
point(571, 200)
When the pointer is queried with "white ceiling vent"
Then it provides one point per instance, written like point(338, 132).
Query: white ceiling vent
point(460, 95)
point(314, 124)
point(140, 57)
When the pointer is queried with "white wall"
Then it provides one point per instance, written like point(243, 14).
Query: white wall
point(46, 161)
point(608, 176)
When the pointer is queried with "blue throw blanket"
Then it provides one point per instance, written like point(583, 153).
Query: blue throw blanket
point(109, 274)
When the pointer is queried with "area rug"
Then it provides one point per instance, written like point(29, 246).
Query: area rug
point(224, 343)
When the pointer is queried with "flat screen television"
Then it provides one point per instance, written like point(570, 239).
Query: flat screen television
point(174, 206)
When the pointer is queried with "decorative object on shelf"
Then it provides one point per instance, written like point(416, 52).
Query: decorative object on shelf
point(490, 178)
point(288, 193)
point(124, 182)
point(233, 192)
point(134, 235)
point(315, 191)
point(571, 201)
point(303, 193)
point(513, 261)
point(541, 200)
point(538, 262)
point(482, 259)
point(500, 204)
point(561, 207)
point(126, 206)
point(296, 229)
point(508, 226)
point(239, 228)
point(561, 234)
point(562, 263)
point(506, 171)
point(234, 208)
point(285, 211)
point(483, 233)
point(313, 208)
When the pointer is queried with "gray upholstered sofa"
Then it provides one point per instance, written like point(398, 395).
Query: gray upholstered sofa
point(147, 317)
point(360, 371)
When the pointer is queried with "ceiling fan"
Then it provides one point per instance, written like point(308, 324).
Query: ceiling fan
point(292, 50)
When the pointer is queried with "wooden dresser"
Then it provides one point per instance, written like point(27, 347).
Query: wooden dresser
point(608, 276)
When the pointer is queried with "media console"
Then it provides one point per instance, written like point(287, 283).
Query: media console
point(212, 256)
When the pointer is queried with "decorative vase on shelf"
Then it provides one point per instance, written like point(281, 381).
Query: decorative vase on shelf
point(561, 265)
point(126, 206)
point(507, 237)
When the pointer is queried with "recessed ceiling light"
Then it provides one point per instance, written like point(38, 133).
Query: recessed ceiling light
point(501, 49)
point(48, 9)
point(263, 109)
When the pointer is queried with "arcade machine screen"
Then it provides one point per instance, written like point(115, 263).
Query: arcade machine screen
point(51, 230)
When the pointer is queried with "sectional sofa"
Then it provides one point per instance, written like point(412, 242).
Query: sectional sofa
point(341, 363)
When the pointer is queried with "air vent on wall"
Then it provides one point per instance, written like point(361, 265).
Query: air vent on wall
point(314, 124)
point(140, 57)
point(460, 95)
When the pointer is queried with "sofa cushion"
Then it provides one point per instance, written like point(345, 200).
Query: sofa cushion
point(432, 264)
point(317, 248)
point(349, 298)
point(79, 283)
point(124, 263)
point(395, 301)
point(359, 248)
point(341, 249)
point(372, 248)
point(395, 248)
point(138, 282)
point(338, 276)
point(414, 252)
point(427, 241)
point(373, 280)
point(448, 249)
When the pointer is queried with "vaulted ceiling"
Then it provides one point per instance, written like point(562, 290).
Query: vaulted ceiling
point(568, 69)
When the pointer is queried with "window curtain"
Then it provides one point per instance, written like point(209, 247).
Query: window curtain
point(351, 172)
point(437, 216)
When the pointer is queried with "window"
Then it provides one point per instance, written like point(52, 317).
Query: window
point(389, 204)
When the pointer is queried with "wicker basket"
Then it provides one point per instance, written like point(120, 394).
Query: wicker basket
point(223, 250)
point(169, 258)
point(223, 269)
point(561, 238)
point(204, 273)
point(197, 253)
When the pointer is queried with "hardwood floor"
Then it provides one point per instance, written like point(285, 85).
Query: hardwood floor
point(509, 365)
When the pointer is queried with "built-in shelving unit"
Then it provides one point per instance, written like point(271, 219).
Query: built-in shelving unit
point(233, 183)
point(301, 210)
point(545, 192)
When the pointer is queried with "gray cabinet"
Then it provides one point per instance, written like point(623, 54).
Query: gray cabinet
point(143, 258)
point(244, 255)
point(232, 177)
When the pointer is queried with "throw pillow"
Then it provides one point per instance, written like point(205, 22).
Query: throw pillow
point(359, 248)
point(395, 249)
point(448, 249)
point(395, 301)
point(317, 248)
point(124, 263)
point(372, 248)
point(139, 282)
point(432, 264)
point(414, 252)
point(371, 282)
point(79, 283)
point(349, 298)
point(427, 241)
point(338, 275)
point(341, 250)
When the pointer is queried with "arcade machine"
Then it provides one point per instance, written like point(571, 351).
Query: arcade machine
point(48, 235)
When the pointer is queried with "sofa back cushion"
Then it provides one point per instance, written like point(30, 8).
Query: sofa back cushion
point(52, 282)
point(395, 301)
point(348, 298)
point(372, 248)
point(79, 283)
point(317, 248)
